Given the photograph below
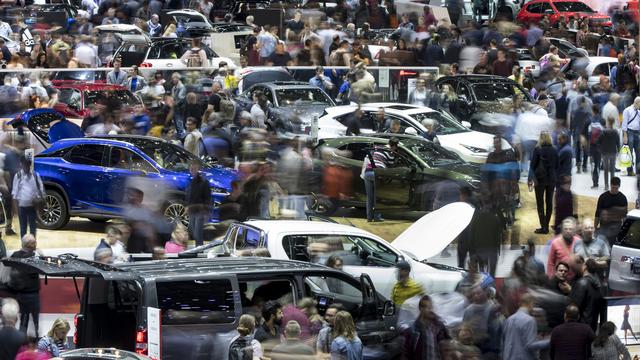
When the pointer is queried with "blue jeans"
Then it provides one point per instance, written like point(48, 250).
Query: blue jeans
point(580, 152)
point(27, 216)
point(633, 140)
point(196, 226)
point(370, 187)
point(527, 151)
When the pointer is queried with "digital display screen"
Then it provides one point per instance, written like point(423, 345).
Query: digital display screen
point(624, 312)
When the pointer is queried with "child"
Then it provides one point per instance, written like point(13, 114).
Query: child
point(178, 242)
point(112, 240)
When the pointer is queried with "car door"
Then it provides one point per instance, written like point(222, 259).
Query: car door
point(393, 183)
point(624, 270)
point(533, 12)
point(123, 164)
point(83, 170)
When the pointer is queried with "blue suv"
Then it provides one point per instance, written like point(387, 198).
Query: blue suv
point(87, 177)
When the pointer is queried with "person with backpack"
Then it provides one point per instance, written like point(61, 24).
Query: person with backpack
point(594, 131)
point(243, 346)
point(196, 56)
point(27, 192)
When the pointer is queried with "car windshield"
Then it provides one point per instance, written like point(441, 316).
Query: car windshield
point(434, 155)
point(443, 123)
point(495, 91)
point(302, 97)
point(78, 75)
point(572, 6)
point(166, 155)
point(122, 97)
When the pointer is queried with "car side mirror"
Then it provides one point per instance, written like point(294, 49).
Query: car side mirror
point(466, 124)
point(389, 308)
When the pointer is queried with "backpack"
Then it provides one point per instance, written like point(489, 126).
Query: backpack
point(595, 131)
point(240, 348)
point(193, 60)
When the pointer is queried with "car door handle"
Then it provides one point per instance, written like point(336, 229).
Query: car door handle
point(63, 171)
point(169, 65)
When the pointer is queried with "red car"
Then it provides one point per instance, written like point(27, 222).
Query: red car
point(74, 99)
point(535, 10)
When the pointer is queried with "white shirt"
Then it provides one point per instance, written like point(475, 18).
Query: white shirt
point(191, 142)
point(85, 54)
point(5, 29)
point(531, 124)
point(258, 115)
point(631, 119)
point(610, 111)
point(25, 189)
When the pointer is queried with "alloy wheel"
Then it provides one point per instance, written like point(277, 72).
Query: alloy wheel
point(177, 212)
point(51, 211)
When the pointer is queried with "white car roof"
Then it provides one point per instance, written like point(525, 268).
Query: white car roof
point(276, 227)
point(343, 109)
point(601, 59)
point(634, 214)
point(119, 27)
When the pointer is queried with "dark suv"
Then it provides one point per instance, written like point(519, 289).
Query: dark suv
point(201, 300)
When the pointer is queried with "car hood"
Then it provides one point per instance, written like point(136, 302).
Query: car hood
point(304, 112)
point(471, 138)
point(433, 232)
point(220, 177)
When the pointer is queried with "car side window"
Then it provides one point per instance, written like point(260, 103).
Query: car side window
point(463, 90)
point(544, 7)
point(602, 69)
point(70, 97)
point(126, 159)
point(154, 53)
point(359, 150)
point(246, 239)
point(86, 155)
point(632, 237)
point(196, 302)
point(534, 8)
point(171, 51)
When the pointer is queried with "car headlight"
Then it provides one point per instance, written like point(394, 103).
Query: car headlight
point(475, 150)
point(218, 191)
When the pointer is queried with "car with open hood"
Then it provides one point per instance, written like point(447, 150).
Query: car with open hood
point(472, 146)
point(561, 10)
point(87, 176)
point(189, 309)
point(421, 170)
point(360, 250)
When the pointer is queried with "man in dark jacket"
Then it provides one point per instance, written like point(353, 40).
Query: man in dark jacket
point(565, 156)
point(586, 294)
point(11, 340)
point(198, 198)
point(579, 122)
point(423, 340)
point(571, 340)
point(27, 285)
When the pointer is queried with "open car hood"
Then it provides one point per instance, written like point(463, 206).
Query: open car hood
point(47, 125)
point(433, 232)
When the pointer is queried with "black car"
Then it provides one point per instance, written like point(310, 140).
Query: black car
point(292, 104)
point(201, 300)
point(480, 95)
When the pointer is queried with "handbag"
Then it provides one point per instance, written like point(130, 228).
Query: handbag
point(624, 157)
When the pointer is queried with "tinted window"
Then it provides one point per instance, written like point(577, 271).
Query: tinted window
point(630, 233)
point(166, 155)
point(443, 123)
point(602, 69)
point(260, 291)
point(535, 8)
point(246, 238)
point(86, 155)
point(493, 91)
point(126, 159)
point(301, 97)
point(545, 7)
point(121, 97)
point(70, 97)
point(132, 54)
point(572, 7)
point(196, 302)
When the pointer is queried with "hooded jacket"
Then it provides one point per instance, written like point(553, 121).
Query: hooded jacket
point(586, 294)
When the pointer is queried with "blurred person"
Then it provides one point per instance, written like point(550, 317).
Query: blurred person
point(486, 236)
point(609, 142)
point(319, 80)
point(587, 295)
point(474, 277)
point(611, 208)
point(140, 220)
point(255, 198)
point(326, 334)
point(362, 87)
point(308, 307)
point(93, 118)
point(86, 52)
point(113, 241)
point(244, 346)
point(117, 76)
point(11, 339)
point(297, 312)
point(193, 138)
point(27, 193)
point(178, 93)
point(529, 126)
point(483, 316)
point(535, 266)
point(103, 256)
point(135, 83)
point(502, 66)
point(158, 253)
point(571, 340)
point(141, 121)
point(561, 249)
point(26, 285)
point(170, 31)
point(267, 40)
point(566, 203)
point(626, 326)
point(520, 334)
point(425, 338)
point(268, 334)
point(594, 246)
point(107, 127)
point(377, 158)
point(179, 240)
point(198, 199)
point(565, 156)
point(279, 57)
point(594, 132)
point(292, 346)
point(559, 282)
point(30, 351)
point(346, 345)
point(631, 132)
point(542, 178)
point(395, 127)
point(196, 56)
point(153, 26)
point(405, 288)
point(579, 127)
point(607, 344)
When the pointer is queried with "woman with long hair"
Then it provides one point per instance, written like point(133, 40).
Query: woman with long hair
point(56, 340)
point(542, 179)
point(347, 344)
point(607, 345)
point(626, 326)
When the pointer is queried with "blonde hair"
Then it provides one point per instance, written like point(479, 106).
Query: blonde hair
point(171, 28)
point(344, 326)
point(60, 323)
point(544, 139)
point(246, 325)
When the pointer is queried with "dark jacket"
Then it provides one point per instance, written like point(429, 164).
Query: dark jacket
point(11, 339)
point(544, 165)
point(198, 194)
point(586, 294)
point(609, 142)
point(413, 343)
point(565, 155)
point(23, 281)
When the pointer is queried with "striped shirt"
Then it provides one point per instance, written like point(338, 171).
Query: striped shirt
point(382, 159)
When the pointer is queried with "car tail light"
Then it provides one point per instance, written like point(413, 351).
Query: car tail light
point(75, 333)
point(146, 65)
point(141, 341)
point(407, 73)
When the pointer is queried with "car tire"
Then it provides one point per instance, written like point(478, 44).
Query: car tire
point(323, 205)
point(54, 213)
point(176, 210)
